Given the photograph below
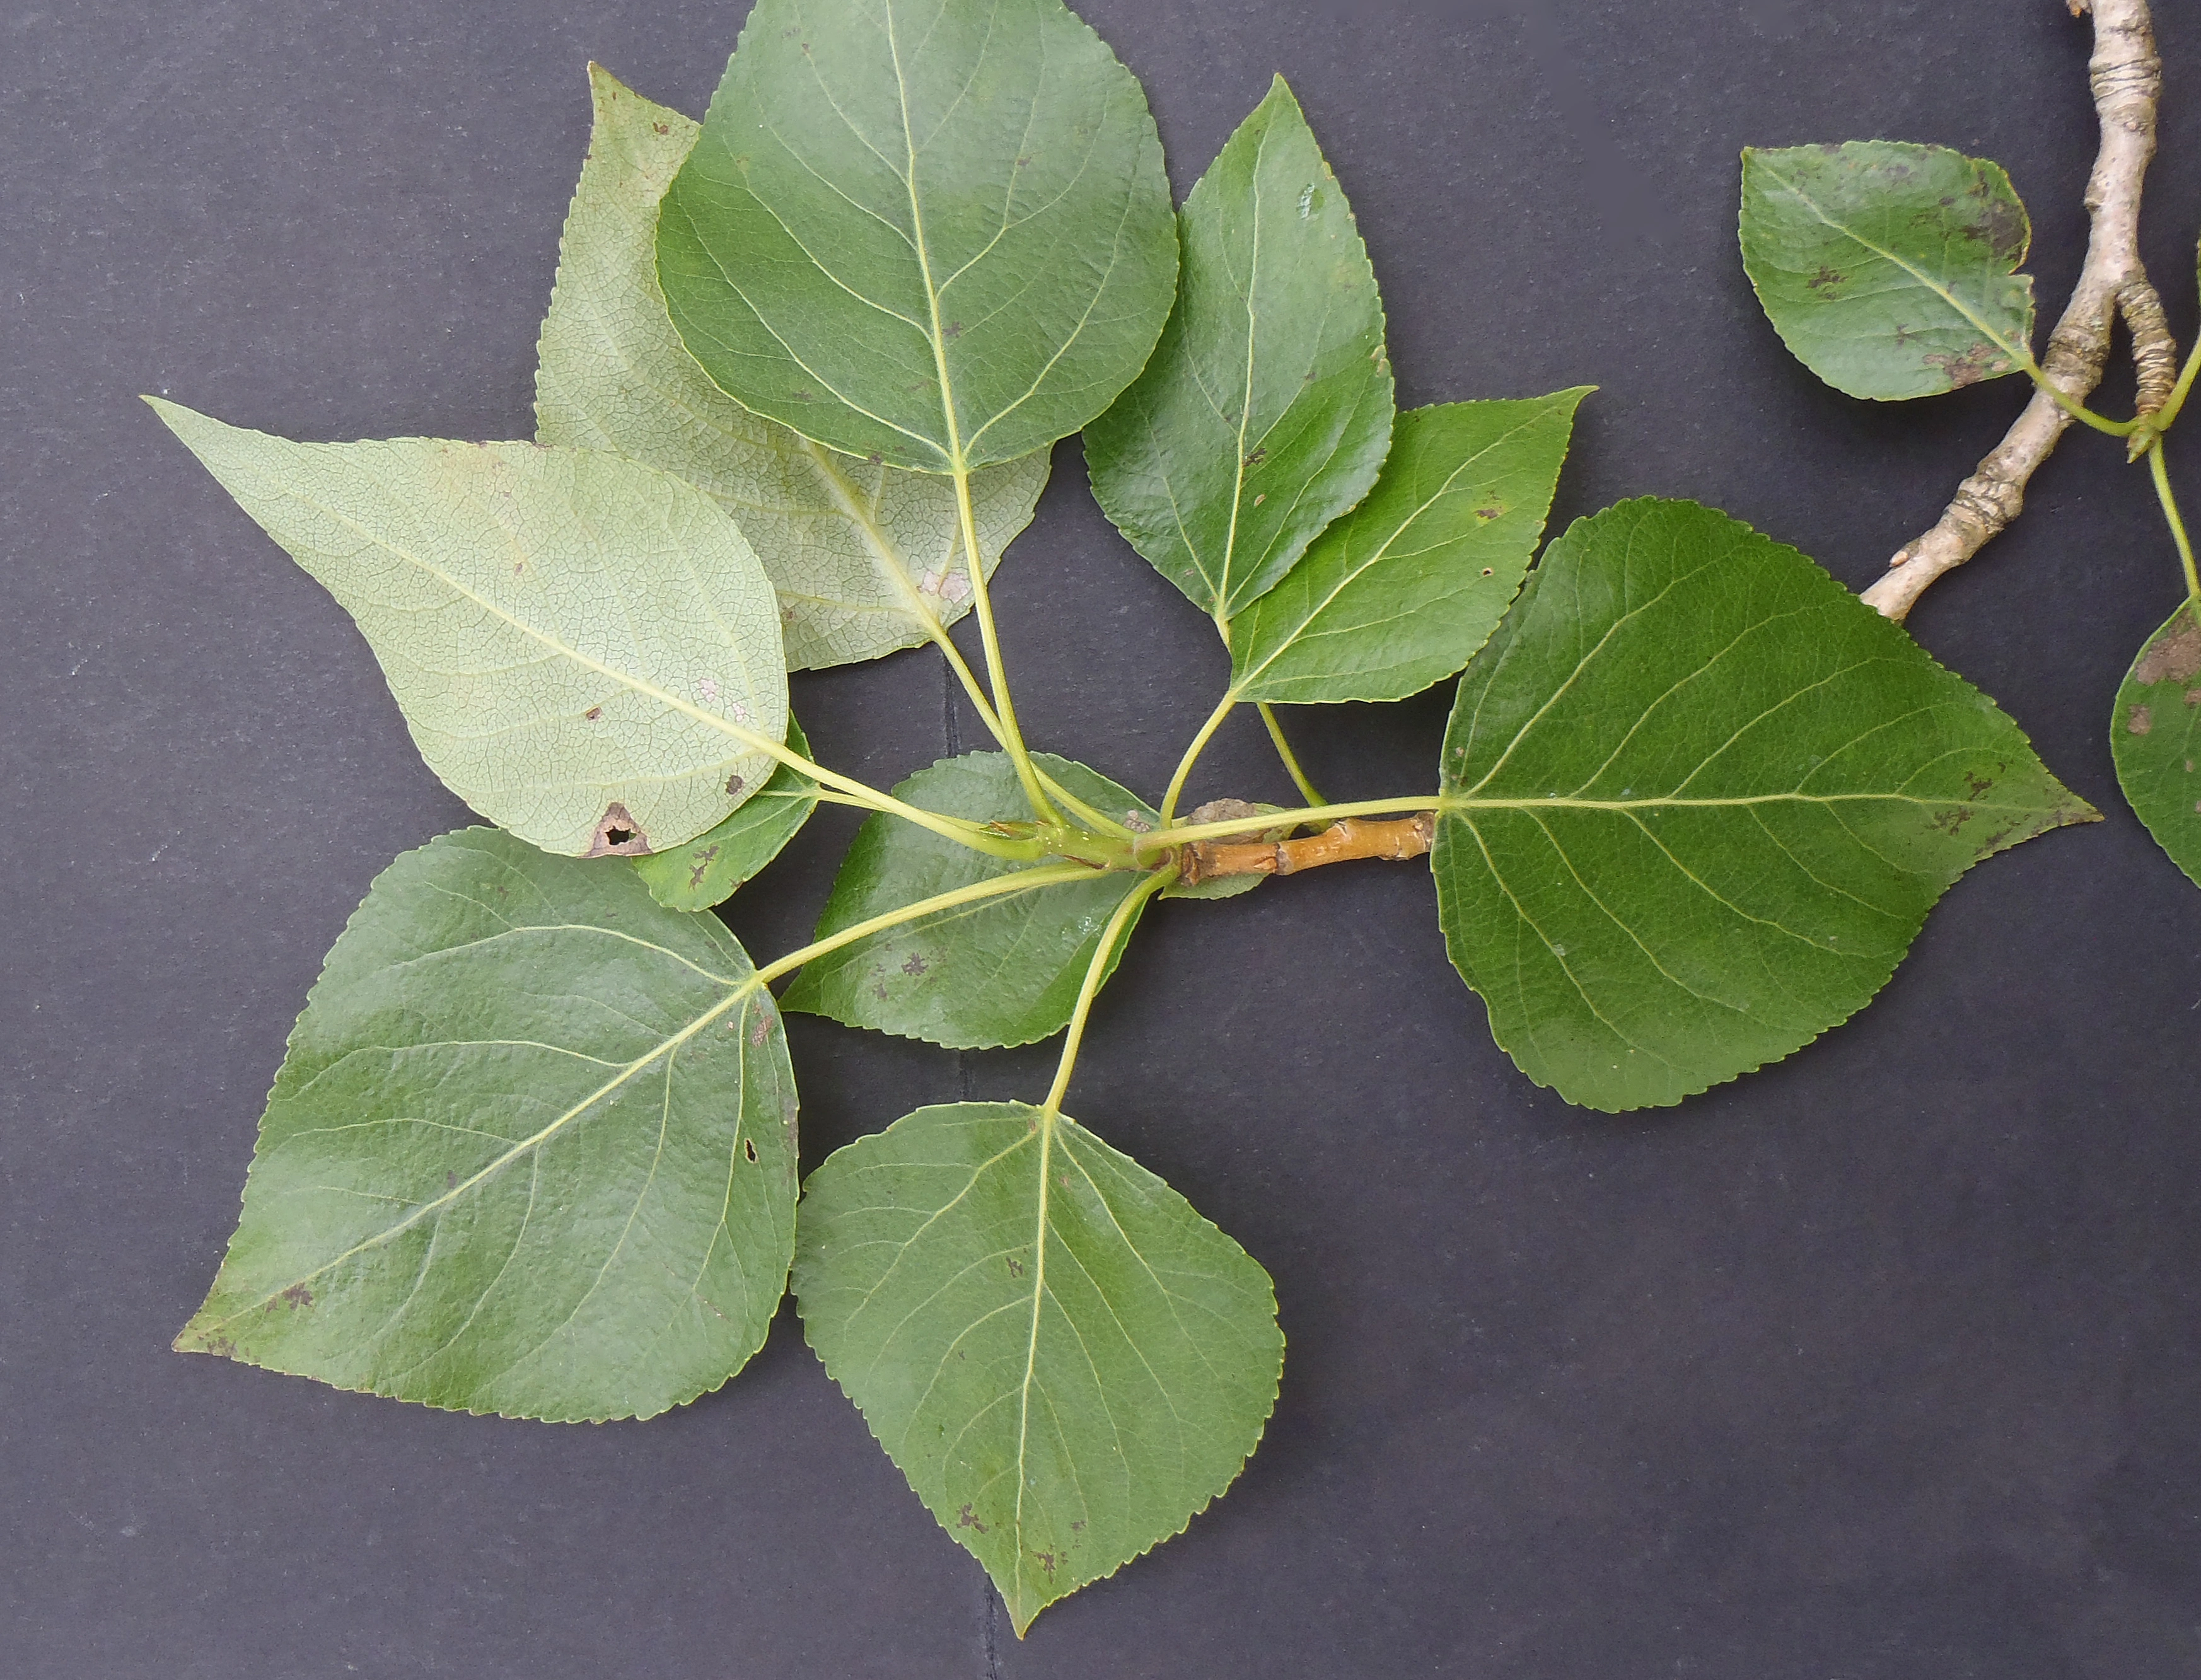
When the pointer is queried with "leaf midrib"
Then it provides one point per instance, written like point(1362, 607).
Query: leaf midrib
point(1300, 631)
point(534, 1141)
point(640, 685)
point(2022, 357)
point(1655, 801)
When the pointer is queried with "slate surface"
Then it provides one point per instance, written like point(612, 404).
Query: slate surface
point(1881, 1364)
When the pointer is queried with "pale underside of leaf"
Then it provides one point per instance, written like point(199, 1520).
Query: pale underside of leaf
point(1067, 1362)
point(532, 1150)
point(584, 649)
point(1401, 592)
point(1267, 407)
point(1888, 268)
point(929, 233)
point(2155, 737)
point(866, 558)
point(706, 870)
point(1697, 801)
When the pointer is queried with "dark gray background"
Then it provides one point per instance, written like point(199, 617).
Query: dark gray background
point(1882, 1363)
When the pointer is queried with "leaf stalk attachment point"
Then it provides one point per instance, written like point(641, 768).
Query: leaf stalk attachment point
point(1307, 788)
point(1004, 724)
point(1192, 753)
point(2161, 473)
point(2127, 76)
point(1096, 972)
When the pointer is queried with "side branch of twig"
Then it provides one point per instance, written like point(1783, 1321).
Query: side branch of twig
point(1341, 843)
point(2127, 79)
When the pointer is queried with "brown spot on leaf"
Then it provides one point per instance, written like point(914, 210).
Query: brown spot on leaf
point(2142, 720)
point(1015, 1267)
point(914, 966)
point(762, 1030)
point(1259, 455)
point(1975, 787)
point(662, 127)
point(2001, 224)
point(952, 330)
point(1222, 811)
point(1828, 282)
point(617, 834)
point(749, 1148)
point(298, 1295)
point(1979, 362)
point(701, 868)
point(2173, 657)
point(1046, 1561)
point(734, 786)
point(963, 1519)
point(593, 712)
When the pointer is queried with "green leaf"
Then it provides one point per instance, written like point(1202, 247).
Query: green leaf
point(1696, 798)
point(935, 231)
point(584, 648)
point(532, 1150)
point(1067, 1361)
point(1889, 269)
point(706, 870)
point(866, 559)
point(1266, 410)
point(1005, 972)
point(1401, 592)
point(2156, 738)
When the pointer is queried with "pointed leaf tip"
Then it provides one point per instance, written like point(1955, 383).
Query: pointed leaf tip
point(1067, 1362)
point(1697, 800)
point(987, 292)
point(644, 632)
point(866, 559)
point(1223, 500)
point(532, 1150)
point(1401, 592)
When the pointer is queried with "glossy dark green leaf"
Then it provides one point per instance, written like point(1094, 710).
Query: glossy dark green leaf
point(1067, 1361)
point(707, 869)
point(532, 1150)
point(866, 558)
point(936, 232)
point(1697, 800)
point(2156, 738)
point(584, 648)
point(1889, 269)
point(1003, 971)
point(1401, 592)
point(1266, 410)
